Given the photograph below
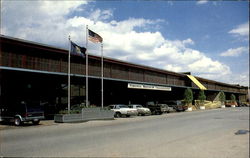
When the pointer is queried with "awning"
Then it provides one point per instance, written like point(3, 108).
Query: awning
point(197, 82)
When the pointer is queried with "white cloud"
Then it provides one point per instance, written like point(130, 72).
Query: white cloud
point(99, 15)
point(201, 1)
point(241, 30)
point(42, 21)
point(234, 52)
point(132, 39)
point(188, 41)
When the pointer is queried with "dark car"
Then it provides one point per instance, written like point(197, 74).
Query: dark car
point(176, 104)
point(241, 104)
point(157, 108)
point(22, 112)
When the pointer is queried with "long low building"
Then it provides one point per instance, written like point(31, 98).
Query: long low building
point(38, 72)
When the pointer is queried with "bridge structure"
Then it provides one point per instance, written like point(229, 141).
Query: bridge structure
point(34, 71)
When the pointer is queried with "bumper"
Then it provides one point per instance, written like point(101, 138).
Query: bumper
point(144, 112)
point(26, 119)
point(131, 113)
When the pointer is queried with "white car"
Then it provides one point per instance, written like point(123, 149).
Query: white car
point(122, 110)
point(141, 110)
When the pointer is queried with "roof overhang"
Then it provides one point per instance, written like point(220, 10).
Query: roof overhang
point(196, 82)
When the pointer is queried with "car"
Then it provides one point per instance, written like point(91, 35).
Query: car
point(176, 104)
point(168, 108)
point(141, 110)
point(230, 104)
point(122, 110)
point(157, 108)
point(242, 104)
point(21, 112)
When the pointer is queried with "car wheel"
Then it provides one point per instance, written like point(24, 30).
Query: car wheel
point(17, 121)
point(117, 114)
point(127, 115)
point(36, 122)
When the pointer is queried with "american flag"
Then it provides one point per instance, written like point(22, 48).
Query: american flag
point(94, 37)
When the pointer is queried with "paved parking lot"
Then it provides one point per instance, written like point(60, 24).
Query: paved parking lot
point(5, 126)
point(208, 133)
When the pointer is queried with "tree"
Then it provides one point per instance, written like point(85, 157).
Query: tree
point(202, 97)
point(232, 97)
point(188, 96)
point(222, 97)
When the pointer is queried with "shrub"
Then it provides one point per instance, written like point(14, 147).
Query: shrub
point(71, 112)
point(233, 98)
point(202, 97)
point(222, 97)
point(188, 96)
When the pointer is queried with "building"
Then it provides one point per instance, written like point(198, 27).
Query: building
point(37, 72)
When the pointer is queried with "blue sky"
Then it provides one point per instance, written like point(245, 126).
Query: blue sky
point(210, 39)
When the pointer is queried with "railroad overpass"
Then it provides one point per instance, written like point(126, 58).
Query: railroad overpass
point(30, 70)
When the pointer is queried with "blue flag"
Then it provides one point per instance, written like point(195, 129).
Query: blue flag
point(77, 50)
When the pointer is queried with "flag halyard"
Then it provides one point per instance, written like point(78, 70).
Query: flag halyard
point(94, 37)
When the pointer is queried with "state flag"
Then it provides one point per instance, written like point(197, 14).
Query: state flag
point(75, 49)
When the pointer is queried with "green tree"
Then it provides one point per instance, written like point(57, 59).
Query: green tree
point(202, 97)
point(233, 98)
point(222, 97)
point(188, 96)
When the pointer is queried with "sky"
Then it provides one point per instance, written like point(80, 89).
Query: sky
point(210, 39)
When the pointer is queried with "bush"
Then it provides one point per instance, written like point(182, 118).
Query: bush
point(233, 98)
point(188, 96)
point(222, 97)
point(70, 112)
point(76, 109)
point(202, 97)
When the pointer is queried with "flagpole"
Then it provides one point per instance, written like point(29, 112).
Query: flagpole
point(69, 77)
point(87, 63)
point(102, 72)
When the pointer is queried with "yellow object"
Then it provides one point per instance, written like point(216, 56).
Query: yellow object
point(197, 82)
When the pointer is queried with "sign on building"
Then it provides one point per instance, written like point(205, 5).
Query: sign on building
point(149, 87)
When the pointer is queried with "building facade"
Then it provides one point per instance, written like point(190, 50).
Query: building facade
point(37, 72)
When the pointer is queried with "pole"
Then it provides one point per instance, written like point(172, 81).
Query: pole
point(87, 63)
point(102, 72)
point(69, 77)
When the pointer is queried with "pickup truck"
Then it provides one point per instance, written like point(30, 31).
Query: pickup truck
point(20, 113)
point(157, 108)
point(177, 105)
point(122, 110)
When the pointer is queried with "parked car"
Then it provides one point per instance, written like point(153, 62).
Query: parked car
point(176, 104)
point(22, 112)
point(242, 104)
point(230, 103)
point(140, 109)
point(156, 108)
point(122, 110)
point(168, 108)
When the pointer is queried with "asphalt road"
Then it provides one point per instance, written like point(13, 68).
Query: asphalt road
point(209, 133)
